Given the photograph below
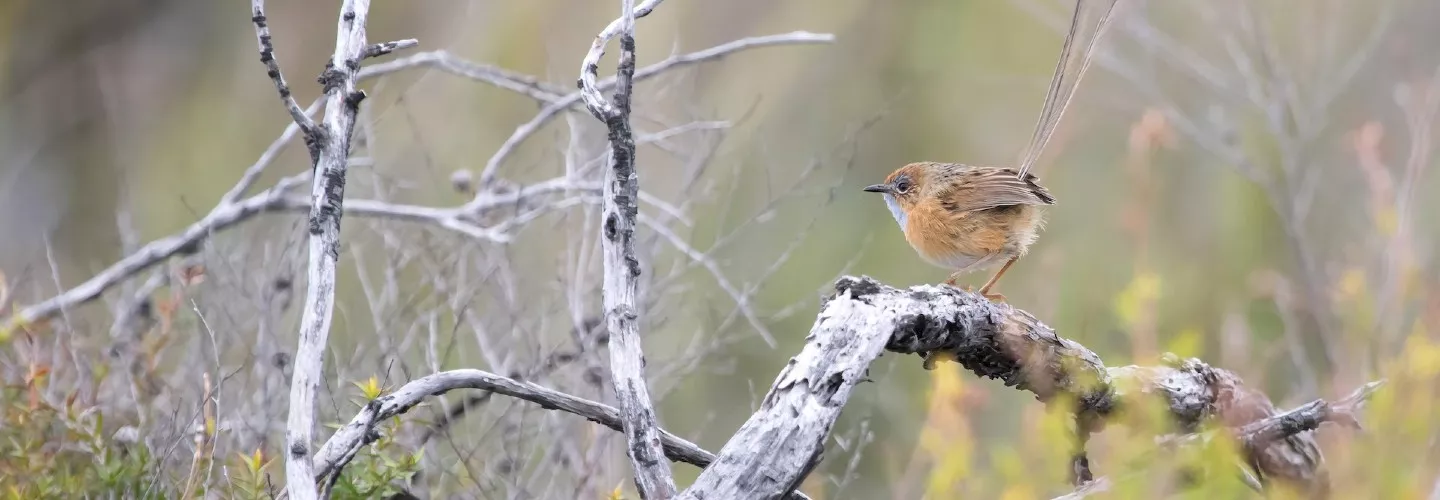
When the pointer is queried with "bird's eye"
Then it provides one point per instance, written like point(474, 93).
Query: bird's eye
point(902, 186)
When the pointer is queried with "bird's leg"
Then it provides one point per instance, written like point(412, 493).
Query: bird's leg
point(951, 280)
point(955, 276)
point(985, 290)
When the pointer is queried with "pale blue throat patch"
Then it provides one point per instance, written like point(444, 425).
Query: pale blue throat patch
point(895, 210)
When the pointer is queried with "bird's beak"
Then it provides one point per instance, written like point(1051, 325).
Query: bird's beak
point(878, 188)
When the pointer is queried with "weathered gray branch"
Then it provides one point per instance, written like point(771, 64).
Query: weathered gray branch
point(782, 442)
point(1274, 443)
point(653, 479)
point(233, 209)
point(360, 431)
point(774, 450)
point(386, 48)
point(330, 149)
point(348, 441)
point(1309, 416)
point(272, 67)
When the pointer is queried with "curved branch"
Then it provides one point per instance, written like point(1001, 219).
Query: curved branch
point(774, 450)
point(781, 443)
point(653, 479)
point(360, 431)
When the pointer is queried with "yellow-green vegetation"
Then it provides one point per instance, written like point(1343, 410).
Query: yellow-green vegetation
point(381, 468)
point(66, 451)
point(1221, 193)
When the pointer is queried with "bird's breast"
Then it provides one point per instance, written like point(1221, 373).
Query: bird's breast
point(971, 240)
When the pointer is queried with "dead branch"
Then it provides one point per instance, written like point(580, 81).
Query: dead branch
point(361, 430)
point(267, 57)
point(381, 49)
point(621, 267)
point(770, 455)
point(1265, 443)
point(329, 145)
point(234, 208)
point(776, 447)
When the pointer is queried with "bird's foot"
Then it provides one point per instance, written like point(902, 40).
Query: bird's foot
point(929, 363)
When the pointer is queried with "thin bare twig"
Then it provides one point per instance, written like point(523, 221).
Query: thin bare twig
point(186, 241)
point(450, 63)
point(742, 300)
point(267, 57)
point(381, 49)
point(524, 131)
point(1308, 417)
point(252, 174)
point(232, 208)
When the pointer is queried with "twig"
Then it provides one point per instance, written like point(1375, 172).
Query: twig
point(1308, 417)
point(280, 198)
point(1257, 436)
point(361, 430)
point(588, 340)
point(267, 57)
point(186, 241)
point(450, 63)
point(524, 131)
point(248, 178)
point(381, 49)
point(203, 437)
point(742, 301)
point(653, 479)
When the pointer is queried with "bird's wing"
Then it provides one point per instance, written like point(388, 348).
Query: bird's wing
point(980, 188)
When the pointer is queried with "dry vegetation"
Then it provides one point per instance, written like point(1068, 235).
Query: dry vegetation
point(463, 333)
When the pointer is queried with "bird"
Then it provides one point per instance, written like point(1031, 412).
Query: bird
point(966, 218)
point(970, 217)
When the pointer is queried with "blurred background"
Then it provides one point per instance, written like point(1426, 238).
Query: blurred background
point(1243, 182)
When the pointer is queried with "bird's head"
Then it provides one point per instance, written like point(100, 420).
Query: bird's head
point(902, 190)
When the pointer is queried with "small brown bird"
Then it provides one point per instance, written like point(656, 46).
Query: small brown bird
point(966, 218)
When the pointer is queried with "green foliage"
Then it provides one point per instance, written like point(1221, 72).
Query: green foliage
point(383, 466)
point(379, 469)
point(249, 479)
point(64, 452)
